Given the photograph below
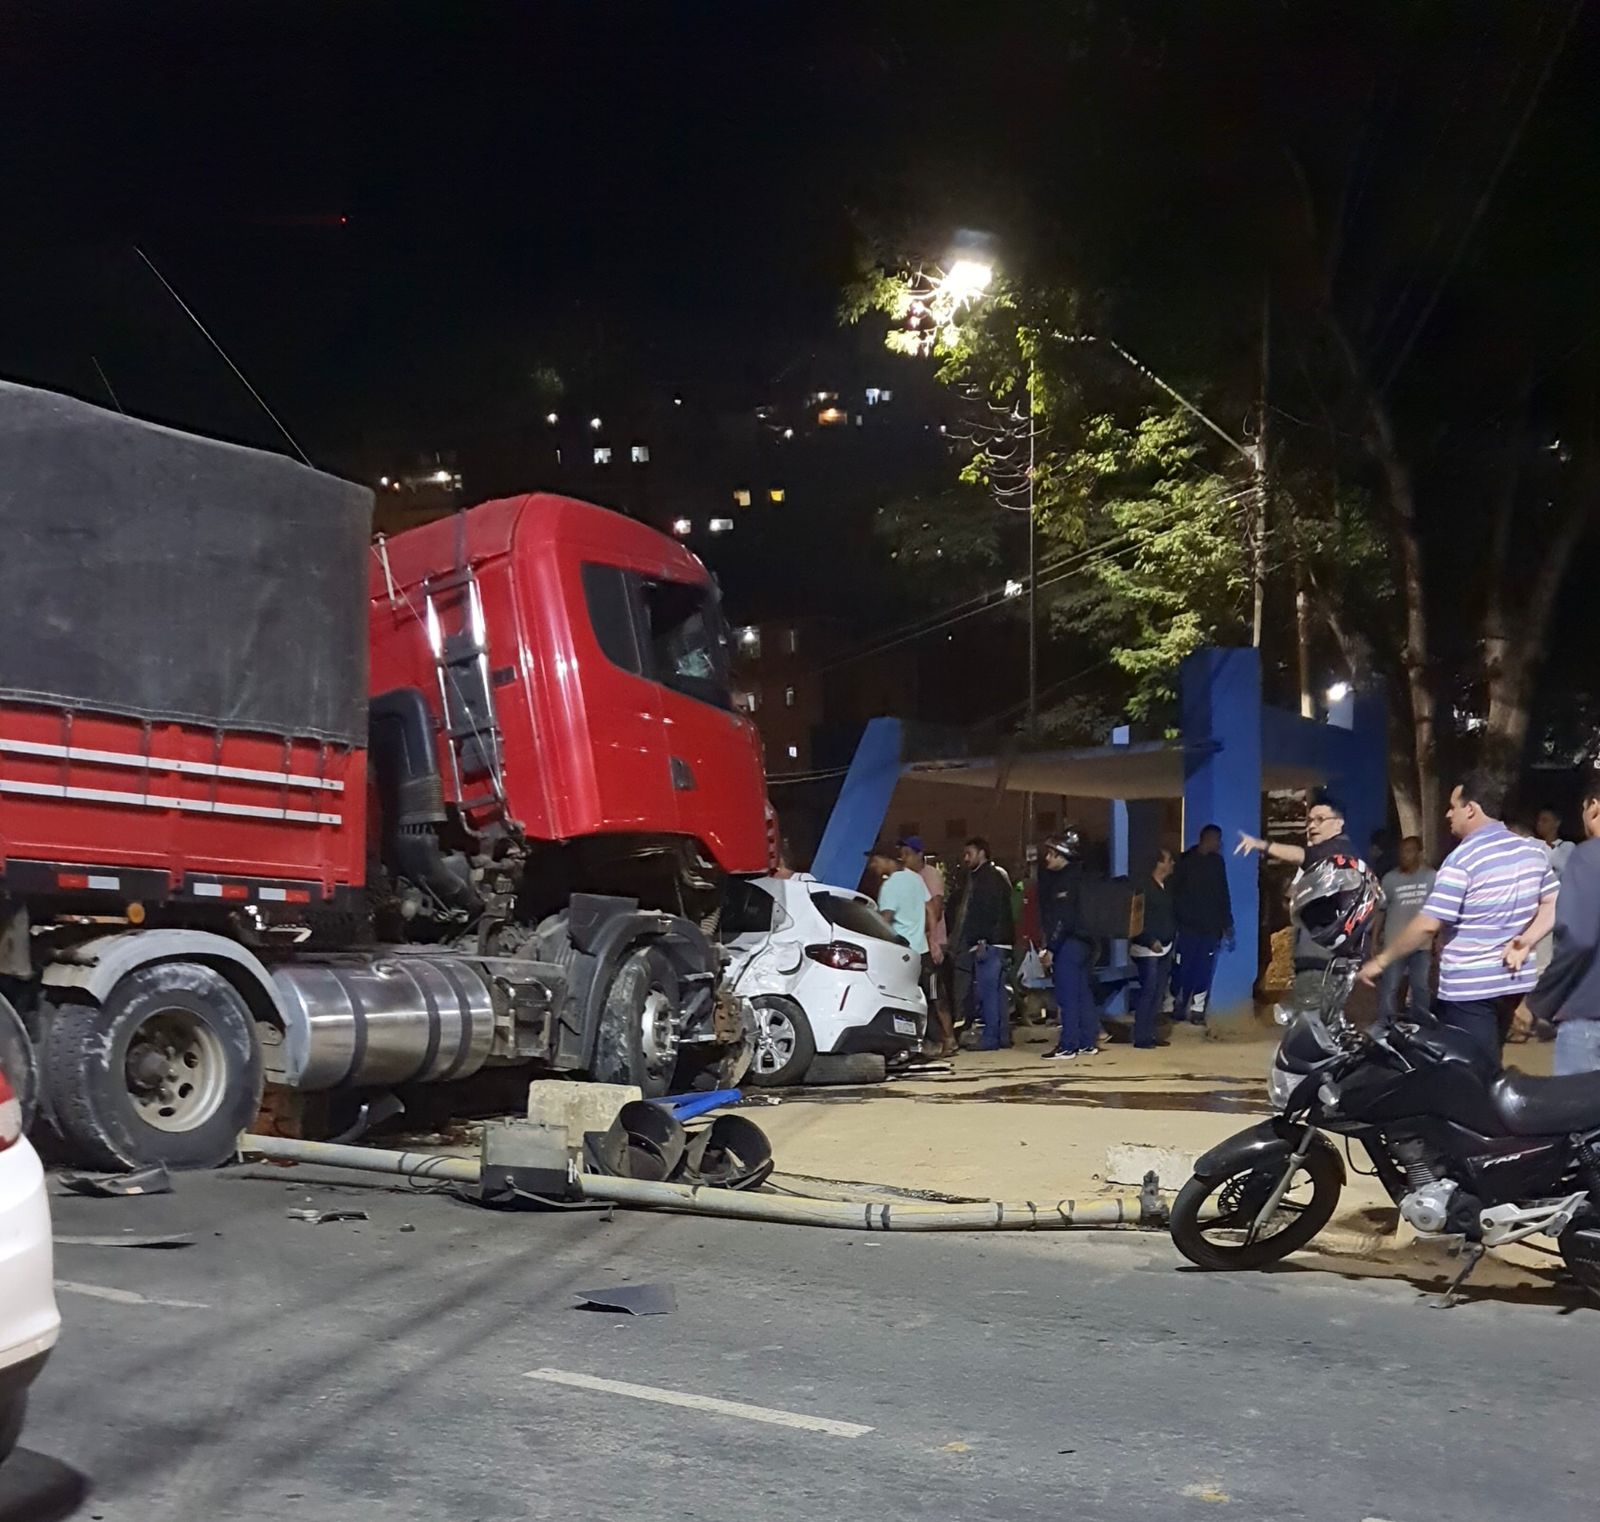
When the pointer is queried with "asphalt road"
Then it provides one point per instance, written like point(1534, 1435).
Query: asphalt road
point(343, 1372)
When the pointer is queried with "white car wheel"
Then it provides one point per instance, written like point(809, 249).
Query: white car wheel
point(784, 1043)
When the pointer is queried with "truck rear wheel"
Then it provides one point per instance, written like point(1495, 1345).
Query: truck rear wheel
point(167, 1070)
point(641, 1023)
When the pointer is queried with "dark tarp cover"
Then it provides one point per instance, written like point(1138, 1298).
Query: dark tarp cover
point(149, 572)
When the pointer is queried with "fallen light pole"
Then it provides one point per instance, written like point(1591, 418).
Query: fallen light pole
point(1144, 1209)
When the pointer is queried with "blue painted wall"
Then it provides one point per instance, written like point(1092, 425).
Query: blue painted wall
point(1219, 694)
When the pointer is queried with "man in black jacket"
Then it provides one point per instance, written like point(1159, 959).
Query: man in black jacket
point(983, 936)
point(1069, 951)
point(1204, 912)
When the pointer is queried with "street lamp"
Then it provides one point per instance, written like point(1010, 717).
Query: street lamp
point(966, 280)
point(961, 285)
point(1338, 692)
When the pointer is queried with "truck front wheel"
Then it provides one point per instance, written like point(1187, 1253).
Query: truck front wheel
point(167, 1070)
point(641, 1023)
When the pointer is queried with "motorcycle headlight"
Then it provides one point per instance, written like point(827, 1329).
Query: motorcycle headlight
point(1280, 1086)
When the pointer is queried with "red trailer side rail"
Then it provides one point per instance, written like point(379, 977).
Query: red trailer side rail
point(101, 803)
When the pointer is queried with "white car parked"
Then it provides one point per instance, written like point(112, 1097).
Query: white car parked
point(29, 1320)
point(823, 973)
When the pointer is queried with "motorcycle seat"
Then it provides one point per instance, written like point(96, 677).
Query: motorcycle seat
point(1529, 1106)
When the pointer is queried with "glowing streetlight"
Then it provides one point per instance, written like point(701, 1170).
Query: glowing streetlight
point(551, 419)
point(682, 527)
point(1338, 692)
point(594, 423)
point(966, 280)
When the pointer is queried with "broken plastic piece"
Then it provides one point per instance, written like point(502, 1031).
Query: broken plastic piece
point(175, 1239)
point(152, 1180)
point(633, 1299)
point(322, 1217)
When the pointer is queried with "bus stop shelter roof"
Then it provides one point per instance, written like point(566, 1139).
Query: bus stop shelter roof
point(1143, 769)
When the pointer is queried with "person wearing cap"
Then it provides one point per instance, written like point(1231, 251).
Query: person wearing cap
point(914, 859)
point(1069, 952)
point(902, 898)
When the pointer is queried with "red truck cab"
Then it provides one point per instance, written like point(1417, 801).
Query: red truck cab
point(593, 658)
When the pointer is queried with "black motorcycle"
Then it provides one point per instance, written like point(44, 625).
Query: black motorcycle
point(1469, 1152)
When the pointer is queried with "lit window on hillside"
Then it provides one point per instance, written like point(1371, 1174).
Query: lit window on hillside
point(602, 454)
point(741, 496)
point(640, 454)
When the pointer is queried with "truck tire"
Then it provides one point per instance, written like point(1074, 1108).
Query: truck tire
point(167, 1070)
point(785, 1046)
point(640, 1023)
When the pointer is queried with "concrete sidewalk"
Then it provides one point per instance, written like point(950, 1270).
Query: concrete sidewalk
point(1008, 1125)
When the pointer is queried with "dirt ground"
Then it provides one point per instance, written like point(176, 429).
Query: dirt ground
point(1007, 1125)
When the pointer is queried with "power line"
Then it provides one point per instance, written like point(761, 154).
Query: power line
point(1061, 567)
point(243, 379)
point(1508, 152)
point(94, 360)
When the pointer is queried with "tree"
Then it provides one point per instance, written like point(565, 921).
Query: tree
point(1398, 185)
point(1143, 523)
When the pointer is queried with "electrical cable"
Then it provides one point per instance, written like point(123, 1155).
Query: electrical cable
point(226, 357)
point(1064, 567)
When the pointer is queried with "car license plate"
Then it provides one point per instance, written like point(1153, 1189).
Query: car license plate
point(904, 1025)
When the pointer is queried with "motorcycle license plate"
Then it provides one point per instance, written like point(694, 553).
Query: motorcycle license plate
point(904, 1025)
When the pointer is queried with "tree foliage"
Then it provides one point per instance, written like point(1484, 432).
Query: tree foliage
point(1375, 256)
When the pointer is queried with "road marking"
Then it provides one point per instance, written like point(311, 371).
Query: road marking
point(126, 1296)
point(710, 1403)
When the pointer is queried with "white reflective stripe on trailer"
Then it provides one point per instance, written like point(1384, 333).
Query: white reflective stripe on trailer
point(164, 801)
point(168, 764)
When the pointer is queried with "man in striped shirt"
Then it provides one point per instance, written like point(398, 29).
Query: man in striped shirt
point(1494, 889)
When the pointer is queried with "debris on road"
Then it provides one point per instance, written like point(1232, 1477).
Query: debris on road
point(322, 1217)
point(152, 1180)
point(173, 1239)
point(632, 1299)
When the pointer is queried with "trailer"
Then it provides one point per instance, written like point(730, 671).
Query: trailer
point(279, 804)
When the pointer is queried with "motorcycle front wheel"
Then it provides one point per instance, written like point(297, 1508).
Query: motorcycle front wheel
point(1214, 1220)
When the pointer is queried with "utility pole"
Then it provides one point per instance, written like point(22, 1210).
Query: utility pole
point(1033, 562)
point(1259, 453)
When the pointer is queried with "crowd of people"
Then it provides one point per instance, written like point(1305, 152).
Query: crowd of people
point(1501, 940)
point(983, 938)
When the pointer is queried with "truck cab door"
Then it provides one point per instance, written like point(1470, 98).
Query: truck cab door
point(632, 774)
point(713, 754)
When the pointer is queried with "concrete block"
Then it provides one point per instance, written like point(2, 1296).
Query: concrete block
point(1128, 1162)
point(577, 1107)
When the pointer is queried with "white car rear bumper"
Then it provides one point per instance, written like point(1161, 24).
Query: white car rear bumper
point(29, 1320)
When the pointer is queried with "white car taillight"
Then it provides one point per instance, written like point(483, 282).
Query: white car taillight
point(10, 1115)
point(840, 955)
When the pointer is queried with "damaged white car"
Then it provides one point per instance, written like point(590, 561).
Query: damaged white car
point(822, 973)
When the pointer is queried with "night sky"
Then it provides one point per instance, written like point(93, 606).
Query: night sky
point(385, 212)
point(393, 215)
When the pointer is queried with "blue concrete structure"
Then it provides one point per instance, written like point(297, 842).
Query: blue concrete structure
point(1219, 698)
point(858, 815)
point(1232, 751)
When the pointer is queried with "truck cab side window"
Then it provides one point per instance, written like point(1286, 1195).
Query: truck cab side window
point(606, 591)
point(689, 641)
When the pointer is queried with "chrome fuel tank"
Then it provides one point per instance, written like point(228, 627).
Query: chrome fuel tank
point(393, 1015)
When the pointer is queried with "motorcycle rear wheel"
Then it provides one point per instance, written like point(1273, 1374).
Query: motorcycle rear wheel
point(1240, 1196)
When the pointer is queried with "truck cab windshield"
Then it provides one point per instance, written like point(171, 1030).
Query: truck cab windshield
point(689, 642)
